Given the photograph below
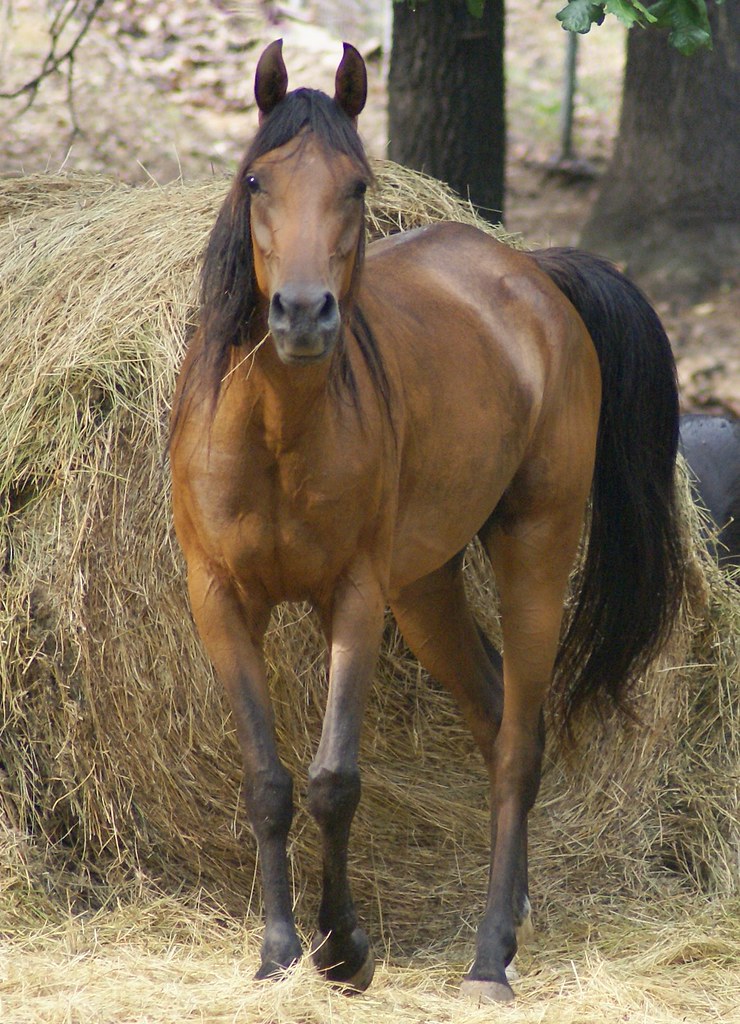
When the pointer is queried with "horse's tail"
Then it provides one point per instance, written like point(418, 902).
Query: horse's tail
point(633, 574)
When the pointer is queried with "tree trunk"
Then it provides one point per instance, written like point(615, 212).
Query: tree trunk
point(446, 97)
point(669, 206)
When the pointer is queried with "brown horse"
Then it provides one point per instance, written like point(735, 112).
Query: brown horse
point(345, 423)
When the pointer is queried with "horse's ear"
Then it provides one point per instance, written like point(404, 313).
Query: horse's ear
point(351, 82)
point(271, 79)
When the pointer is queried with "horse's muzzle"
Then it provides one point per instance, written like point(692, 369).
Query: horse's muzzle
point(304, 323)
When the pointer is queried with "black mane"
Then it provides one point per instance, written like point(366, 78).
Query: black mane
point(227, 290)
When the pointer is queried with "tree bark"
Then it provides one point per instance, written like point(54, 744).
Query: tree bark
point(446, 97)
point(669, 206)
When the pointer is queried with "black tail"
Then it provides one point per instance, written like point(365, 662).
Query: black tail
point(634, 567)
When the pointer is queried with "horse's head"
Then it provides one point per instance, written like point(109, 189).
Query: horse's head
point(306, 176)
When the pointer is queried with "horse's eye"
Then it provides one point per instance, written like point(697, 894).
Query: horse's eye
point(252, 183)
point(360, 189)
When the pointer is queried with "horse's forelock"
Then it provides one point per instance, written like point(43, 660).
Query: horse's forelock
point(308, 110)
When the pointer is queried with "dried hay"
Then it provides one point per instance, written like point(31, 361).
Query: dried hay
point(145, 956)
point(118, 759)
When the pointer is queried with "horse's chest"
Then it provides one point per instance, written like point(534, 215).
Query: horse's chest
point(291, 534)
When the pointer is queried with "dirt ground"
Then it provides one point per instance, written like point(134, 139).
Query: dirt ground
point(161, 90)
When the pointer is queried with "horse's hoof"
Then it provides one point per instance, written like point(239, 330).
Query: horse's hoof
point(281, 950)
point(360, 980)
point(270, 970)
point(485, 991)
point(349, 965)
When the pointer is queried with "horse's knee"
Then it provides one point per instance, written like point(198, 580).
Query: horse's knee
point(333, 796)
point(269, 801)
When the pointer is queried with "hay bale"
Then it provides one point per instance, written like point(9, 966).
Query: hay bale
point(117, 748)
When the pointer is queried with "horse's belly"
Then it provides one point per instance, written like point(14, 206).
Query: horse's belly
point(450, 487)
point(430, 533)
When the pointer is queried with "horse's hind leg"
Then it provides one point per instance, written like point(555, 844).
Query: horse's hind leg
point(434, 616)
point(232, 636)
point(532, 555)
point(436, 622)
point(354, 623)
point(520, 899)
point(520, 896)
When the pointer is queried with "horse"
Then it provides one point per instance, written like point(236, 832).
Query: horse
point(711, 447)
point(346, 419)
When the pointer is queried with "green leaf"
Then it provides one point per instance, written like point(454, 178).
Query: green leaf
point(629, 12)
point(687, 22)
point(580, 15)
point(690, 29)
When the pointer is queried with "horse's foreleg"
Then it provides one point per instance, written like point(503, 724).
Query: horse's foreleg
point(232, 635)
point(531, 561)
point(341, 949)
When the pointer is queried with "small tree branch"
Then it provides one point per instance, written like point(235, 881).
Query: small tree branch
point(53, 61)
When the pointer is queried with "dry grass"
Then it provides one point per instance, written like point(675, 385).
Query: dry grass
point(120, 774)
point(145, 956)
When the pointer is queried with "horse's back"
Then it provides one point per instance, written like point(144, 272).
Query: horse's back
point(454, 281)
point(453, 304)
point(454, 255)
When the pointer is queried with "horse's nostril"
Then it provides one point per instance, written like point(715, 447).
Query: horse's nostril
point(328, 310)
point(277, 308)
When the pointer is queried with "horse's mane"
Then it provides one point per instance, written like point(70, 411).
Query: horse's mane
point(227, 289)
